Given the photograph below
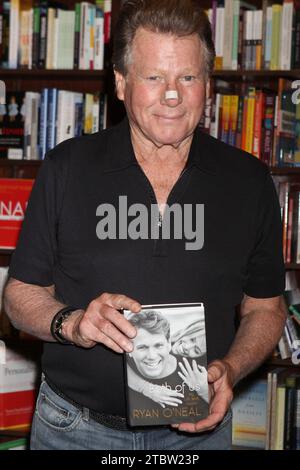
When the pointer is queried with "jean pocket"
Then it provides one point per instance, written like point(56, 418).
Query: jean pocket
point(56, 412)
point(226, 420)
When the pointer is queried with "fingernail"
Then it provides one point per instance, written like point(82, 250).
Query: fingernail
point(128, 347)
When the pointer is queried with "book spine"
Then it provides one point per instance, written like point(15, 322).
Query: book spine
point(43, 38)
point(36, 37)
point(77, 35)
point(14, 33)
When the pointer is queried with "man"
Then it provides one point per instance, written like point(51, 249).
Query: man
point(163, 58)
point(152, 346)
point(153, 371)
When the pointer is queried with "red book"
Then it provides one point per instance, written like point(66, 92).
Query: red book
point(14, 195)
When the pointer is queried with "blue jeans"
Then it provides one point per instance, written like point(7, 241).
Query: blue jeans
point(58, 425)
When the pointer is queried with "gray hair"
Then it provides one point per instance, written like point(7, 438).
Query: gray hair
point(178, 17)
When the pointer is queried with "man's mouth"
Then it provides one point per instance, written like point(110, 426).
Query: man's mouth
point(153, 364)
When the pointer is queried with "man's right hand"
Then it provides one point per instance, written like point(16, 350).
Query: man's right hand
point(102, 323)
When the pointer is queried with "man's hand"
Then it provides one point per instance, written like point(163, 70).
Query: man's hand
point(220, 379)
point(195, 377)
point(103, 323)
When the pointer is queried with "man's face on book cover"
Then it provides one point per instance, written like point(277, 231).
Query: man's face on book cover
point(151, 354)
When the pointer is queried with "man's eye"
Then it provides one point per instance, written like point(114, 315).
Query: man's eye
point(154, 78)
point(188, 78)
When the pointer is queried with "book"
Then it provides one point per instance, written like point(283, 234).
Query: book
point(166, 376)
point(14, 195)
point(249, 408)
point(19, 372)
point(12, 117)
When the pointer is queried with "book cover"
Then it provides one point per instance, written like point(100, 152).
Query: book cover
point(14, 194)
point(249, 409)
point(166, 376)
point(12, 117)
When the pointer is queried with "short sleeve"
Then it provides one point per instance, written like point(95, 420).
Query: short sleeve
point(265, 269)
point(35, 256)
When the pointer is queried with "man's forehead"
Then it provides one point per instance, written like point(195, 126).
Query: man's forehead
point(143, 334)
point(155, 40)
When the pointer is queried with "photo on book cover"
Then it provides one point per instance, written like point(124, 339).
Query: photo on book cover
point(166, 373)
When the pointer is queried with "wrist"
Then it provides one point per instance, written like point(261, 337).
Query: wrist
point(231, 373)
point(69, 325)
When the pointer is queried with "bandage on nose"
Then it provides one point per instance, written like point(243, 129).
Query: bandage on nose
point(171, 95)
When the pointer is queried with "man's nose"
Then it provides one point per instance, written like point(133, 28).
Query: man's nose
point(151, 353)
point(171, 95)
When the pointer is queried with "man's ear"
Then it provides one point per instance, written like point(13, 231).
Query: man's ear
point(120, 85)
point(208, 88)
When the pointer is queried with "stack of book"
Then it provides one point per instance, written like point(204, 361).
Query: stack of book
point(32, 123)
point(257, 120)
point(41, 34)
point(251, 38)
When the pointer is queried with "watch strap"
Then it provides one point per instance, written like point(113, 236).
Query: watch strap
point(57, 322)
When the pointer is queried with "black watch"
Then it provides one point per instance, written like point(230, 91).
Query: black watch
point(57, 322)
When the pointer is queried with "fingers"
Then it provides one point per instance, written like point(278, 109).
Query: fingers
point(120, 301)
point(103, 323)
point(214, 372)
point(206, 424)
point(173, 403)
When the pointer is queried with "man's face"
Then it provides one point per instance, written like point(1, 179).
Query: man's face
point(162, 62)
point(192, 345)
point(151, 354)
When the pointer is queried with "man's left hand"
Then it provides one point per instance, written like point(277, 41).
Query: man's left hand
point(220, 380)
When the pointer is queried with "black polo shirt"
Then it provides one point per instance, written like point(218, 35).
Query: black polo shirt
point(242, 250)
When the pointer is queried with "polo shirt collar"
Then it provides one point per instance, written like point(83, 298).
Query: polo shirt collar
point(120, 153)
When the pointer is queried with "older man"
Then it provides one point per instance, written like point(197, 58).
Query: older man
point(71, 272)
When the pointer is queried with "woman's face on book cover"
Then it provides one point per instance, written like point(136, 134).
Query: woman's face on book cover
point(151, 354)
point(192, 345)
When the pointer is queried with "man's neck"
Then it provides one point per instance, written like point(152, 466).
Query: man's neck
point(149, 153)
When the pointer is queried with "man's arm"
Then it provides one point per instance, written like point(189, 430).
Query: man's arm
point(31, 308)
point(261, 326)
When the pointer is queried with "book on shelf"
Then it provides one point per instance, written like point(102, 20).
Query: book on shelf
point(32, 123)
point(283, 407)
point(47, 34)
point(249, 413)
point(18, 376)
point(14, 195)
point(169, 354)
point(13, 443)
point(12, 117)
point(254, 38)
point(256, 119)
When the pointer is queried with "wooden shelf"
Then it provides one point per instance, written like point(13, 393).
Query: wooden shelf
point(11, 162)
point(46, 74)
point(285, 171)
point(277, 361)
point(256, 73)
point(5, 251)
point(292, 266)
